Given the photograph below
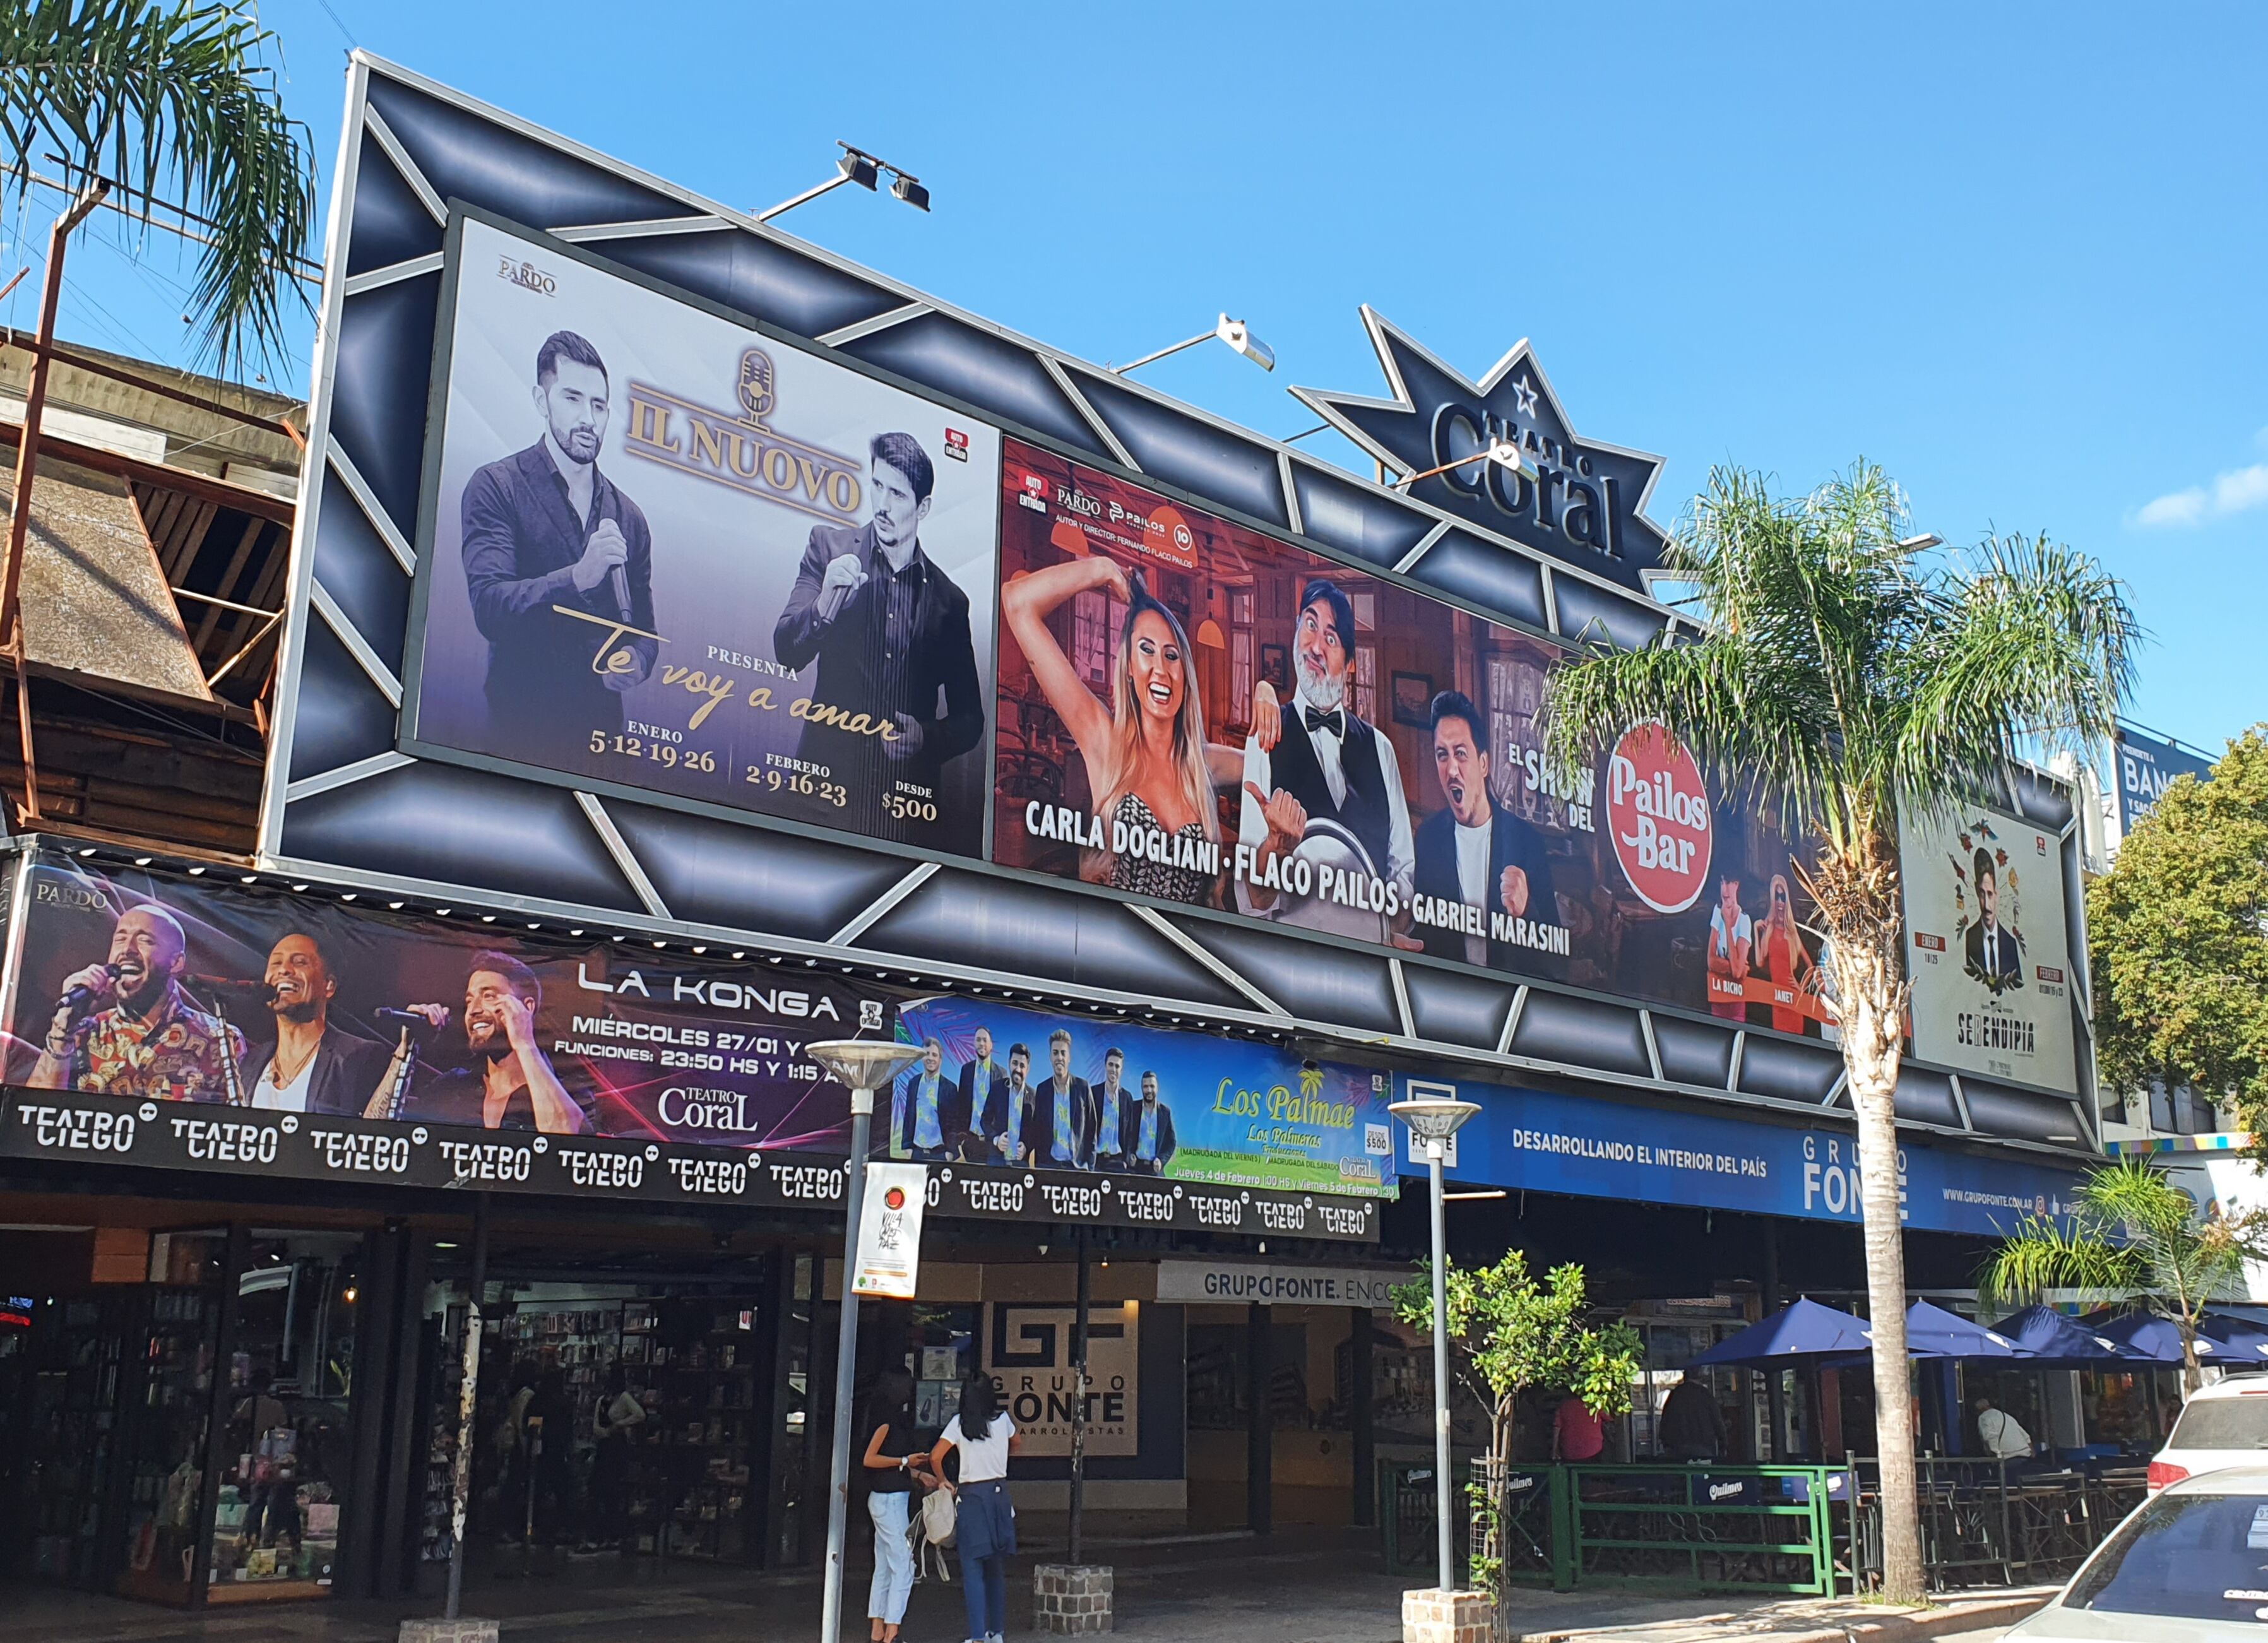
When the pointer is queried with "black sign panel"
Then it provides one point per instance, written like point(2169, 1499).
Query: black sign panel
point(64, 1126)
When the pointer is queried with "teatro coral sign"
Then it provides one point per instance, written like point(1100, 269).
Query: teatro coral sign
point(1576, 499)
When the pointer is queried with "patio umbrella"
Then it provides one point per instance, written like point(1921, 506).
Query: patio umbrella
point(1804, 1329)
point(2056, 1340)
point(2148, 1336)
point(2242, 1341)
point(1934, 1333)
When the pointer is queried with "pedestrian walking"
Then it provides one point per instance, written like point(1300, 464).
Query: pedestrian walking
point(986, 1438)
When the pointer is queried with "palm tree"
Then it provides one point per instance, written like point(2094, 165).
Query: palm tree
point(159, 100)
point(1860, 676)
point(2134, 1241)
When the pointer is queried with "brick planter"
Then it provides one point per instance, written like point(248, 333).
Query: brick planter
point(1072, 1600)
point(448, 1631)
point(1433, 1616)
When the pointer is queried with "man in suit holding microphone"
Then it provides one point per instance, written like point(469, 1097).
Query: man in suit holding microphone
point(559, 566)
point(1472, 852)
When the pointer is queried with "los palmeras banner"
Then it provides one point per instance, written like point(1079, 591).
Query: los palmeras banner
point(191, 992)
point(1198, 712)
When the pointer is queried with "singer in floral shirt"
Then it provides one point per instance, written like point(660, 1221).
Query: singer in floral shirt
point(147, 1041)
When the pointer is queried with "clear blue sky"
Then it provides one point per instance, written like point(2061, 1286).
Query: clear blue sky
point(2014, 253)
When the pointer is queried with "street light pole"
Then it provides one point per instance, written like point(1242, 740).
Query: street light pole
point(864, 1065)
point(1433, 1113)
point(1435, 1146)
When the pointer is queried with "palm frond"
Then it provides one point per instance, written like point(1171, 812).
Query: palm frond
point(162, 99)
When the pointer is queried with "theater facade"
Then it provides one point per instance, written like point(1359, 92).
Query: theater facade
point(696, 646)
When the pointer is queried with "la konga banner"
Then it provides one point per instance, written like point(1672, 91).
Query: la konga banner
point(1988, 948)
point(184, 990)
point(1015, 1090)
point(1197, 713)
point(664, 554)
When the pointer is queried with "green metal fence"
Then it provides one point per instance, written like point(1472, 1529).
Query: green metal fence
point(1704, 1527)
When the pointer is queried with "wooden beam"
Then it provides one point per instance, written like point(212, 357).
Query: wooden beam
point(252, 530)
point(204, 488)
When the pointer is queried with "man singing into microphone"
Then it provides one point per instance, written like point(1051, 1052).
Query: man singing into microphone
point(148, 1040)
point(511, 1084)
point(545, 532)
point(311, 1066)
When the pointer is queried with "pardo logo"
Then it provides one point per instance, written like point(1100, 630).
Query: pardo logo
point(527, 276)
point(1658, 809)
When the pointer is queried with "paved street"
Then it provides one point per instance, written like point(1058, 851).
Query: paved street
point(1325, 1590)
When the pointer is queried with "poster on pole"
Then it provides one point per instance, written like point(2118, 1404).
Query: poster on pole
point(1987, 948)
point(889, 1231)
point(663, 553)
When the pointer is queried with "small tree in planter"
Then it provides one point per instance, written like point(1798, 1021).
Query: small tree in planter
point(1507, 1332)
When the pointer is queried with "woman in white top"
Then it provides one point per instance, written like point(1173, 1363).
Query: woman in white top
point(986, 1527)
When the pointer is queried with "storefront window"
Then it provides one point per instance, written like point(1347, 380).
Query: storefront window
point(286, 1440)
point(166, 1459)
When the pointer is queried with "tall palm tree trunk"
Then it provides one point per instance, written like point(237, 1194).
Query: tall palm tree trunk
point(1858, 899)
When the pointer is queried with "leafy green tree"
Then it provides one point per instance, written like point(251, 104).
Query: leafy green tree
point(170, 101)
point(2135, 1241)
point(1862, 677)
point(2178, 940)
point(1508, 1332)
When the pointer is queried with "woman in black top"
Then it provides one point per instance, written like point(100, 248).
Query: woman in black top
point(893, 1466)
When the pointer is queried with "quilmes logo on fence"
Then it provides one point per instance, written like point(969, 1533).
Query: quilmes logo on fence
point(741, 448)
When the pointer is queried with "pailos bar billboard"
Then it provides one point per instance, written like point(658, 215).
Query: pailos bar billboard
point(1195, 711)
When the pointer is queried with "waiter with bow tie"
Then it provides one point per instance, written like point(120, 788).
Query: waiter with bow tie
point(1326, 764)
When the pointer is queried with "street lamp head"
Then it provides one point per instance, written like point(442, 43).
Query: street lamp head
point(910, 191)
point(1433, 1117)
point(858, 166)
point(1239, 336)
point(1922, 543)
point(863, 1065)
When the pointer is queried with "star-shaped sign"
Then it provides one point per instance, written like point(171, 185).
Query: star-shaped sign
point(1576, 499)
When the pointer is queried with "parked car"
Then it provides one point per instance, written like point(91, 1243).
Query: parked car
point(2190, 1565)
point(2222, 1424)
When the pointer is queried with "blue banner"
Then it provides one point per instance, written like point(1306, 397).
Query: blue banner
point(1609, 1149)
point(1140, 1102)
point(2148, 765)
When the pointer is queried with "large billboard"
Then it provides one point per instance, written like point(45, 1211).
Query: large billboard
point(173, 991)
point(1195, 712)
point(1015, 1088)
point(2148, 765)
point(663, 553)
point(1987, 947)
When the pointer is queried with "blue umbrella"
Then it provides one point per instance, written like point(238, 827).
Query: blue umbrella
point(1934, 1333)
point(2240, 1340)
point(1804, 1329)
point(2148, 1336)
point(2052, 1338)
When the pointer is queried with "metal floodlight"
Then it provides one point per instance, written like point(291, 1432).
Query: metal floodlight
point(1921, 544)
point(1239, 336)
point(863, 1065)
point(1507, 453)
point(1235, 333)
point(858, 166)
point(910, 191)
point(1433, 1117)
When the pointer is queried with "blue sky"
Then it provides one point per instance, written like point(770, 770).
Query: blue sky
point(2014, 253)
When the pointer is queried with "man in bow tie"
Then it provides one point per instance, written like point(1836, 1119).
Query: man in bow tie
point(1326, 764)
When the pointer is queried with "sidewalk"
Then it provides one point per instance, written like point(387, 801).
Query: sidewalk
point(1322, 1587)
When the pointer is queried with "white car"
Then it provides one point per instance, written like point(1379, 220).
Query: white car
point(2189, 1566)
point(2222, 1424)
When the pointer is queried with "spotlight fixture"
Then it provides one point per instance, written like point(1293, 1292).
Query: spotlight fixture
point(856, 165)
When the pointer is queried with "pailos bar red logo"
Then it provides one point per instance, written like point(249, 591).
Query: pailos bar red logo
point(1658, 811)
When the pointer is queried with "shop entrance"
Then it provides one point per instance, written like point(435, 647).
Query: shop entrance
point(1277, 1396)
